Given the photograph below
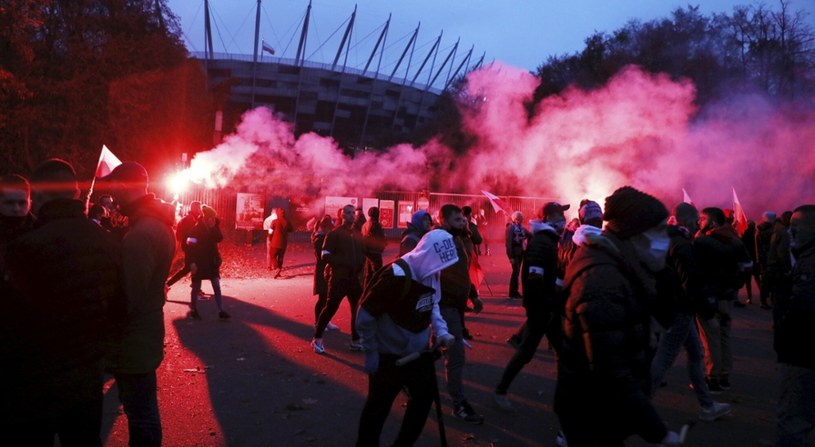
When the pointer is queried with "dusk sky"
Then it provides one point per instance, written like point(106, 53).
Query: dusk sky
point(522, 33)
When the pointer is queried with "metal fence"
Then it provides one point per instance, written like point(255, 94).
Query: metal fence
point(224, 200)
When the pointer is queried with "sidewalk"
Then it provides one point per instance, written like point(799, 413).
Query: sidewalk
point(254, 380)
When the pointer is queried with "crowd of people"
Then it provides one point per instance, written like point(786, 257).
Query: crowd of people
point(618, 292)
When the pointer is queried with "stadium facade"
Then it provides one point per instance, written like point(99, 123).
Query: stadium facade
point(356, 107)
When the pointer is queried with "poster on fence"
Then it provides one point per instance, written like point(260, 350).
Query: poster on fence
point(386, 213)
point(249, 211)
point(405, 211)
point(335, 203)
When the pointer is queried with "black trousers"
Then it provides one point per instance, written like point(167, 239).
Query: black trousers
point(418, 379)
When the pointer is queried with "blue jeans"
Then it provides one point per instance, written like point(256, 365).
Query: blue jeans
point(139, 396)
point(682, 333)
point(796, 406)
point(216, 289)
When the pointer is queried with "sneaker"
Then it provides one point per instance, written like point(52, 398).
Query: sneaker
point(713, 386)
point(749, 301)
point(466, 413)
point(317, 345)
point(715, 411)
point(502, 401)
point(279, 272)
point(724, 382)
point(332, 327)
point(193, 315)
point(355, 346)
point(514, 340)
point(223, 315)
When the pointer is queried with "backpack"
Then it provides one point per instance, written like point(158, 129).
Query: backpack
point(379, 298)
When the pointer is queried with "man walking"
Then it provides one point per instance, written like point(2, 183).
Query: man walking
point(343, 252)
point(456, 290)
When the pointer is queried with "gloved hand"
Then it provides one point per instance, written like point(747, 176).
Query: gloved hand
point(478, 305)
point(446, 340)
point(371, 362)
point(671, 439)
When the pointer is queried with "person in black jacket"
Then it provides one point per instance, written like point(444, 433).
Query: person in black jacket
point(723, 263)
point(205, 260)
point(65, 283)
point(682, 286)
point(541, 277)
point(182, 231)
point(373, 236)
point(343, 251)
point(794, 330)
point(601, 397)
point(748, 238)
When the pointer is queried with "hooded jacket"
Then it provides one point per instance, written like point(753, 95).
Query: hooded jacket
point(411, 235)
point(395, 318)
point(148, 248)
point(604, 367)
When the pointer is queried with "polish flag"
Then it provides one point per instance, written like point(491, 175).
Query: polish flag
point(107, 162)
point(686, 197)
point(739, 218)
point(266, 47)
point(496, 202)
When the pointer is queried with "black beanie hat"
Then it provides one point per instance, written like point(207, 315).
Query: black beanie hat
point(630, 212)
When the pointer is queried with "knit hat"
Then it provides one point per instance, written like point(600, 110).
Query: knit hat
point(589, 210)
point(629, 212)
point(208, 211)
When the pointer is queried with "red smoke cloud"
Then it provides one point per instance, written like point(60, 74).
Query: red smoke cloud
point(640, 129)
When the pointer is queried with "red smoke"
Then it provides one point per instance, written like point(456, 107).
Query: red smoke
point(641, 130)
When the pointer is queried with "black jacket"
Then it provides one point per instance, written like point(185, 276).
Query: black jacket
point(66, 279)
point(541, 291)
point(343, 251)
point(794, 313)
point(721, 255)
point(202, 249)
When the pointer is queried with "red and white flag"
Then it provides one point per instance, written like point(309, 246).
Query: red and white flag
point(266, 47)
point(107, 162)
point(686, 197)
point(739, 217)
point(497, 203)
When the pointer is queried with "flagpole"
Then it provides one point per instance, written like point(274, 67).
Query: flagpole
point(90, 193)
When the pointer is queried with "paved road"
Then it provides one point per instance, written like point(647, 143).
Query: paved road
point(254, 381)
